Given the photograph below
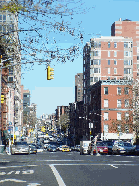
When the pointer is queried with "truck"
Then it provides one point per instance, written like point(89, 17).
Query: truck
point(84, 147)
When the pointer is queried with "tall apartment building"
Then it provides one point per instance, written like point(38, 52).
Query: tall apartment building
point(129, 29)
point(79, 87)
point(9, 24)
point(112, 58)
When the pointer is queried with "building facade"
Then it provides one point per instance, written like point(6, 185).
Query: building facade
point(79, 87)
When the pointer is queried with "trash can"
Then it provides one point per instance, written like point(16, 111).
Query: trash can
point(2, 148)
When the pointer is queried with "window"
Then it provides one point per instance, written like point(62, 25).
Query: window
point(96, 44)
point(106, 90)
point(96, 70)
point(108, 70)
point(127, 62)
point(115, 62)
point(118, 103)
point(108, 62)
point(91, 62)
point(126, 116)
point(108, 53)
point(96, 53)
point(96, 62)
point(115, 44)
point(105, 128)
point(106, 116)
point(126, 53)
point(119, 128)
point(95, 79)
point(126, 128)
point(115, 53)
point(126, 90)
point(119, 90)
point(126, 102)
point(91, 70)
point(127, 71)
point(125, 45)
point(115, 70)
point(118, 116)
point(109, 44)
point(105, 102)
point(91, 79)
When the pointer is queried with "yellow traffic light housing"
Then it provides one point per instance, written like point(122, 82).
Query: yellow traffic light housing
point(50, 73)
point(2, 98)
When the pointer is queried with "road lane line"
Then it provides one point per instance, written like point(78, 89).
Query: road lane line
point(18, 166)
point(94, 164)
point(60, 160)
point(57, 175)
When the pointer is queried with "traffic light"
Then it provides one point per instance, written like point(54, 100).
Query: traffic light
point(2, 98)
point(50, 73)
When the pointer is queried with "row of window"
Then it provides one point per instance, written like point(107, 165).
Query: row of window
point(119, 116)
point(126, 53)
point(119, 103)
point(119, 89)
point(98, 62)
point(97, 44)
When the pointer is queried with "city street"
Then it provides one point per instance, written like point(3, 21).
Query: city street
point(68, 168)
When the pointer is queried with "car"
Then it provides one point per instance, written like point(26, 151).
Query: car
point(136, 152)
point(33, 149)
point(65, 148)
point(102, 148)
point(46, 145)
point(123, 148)
point(51, 138)
point(39, 148)
point(110, 146)
point(59, 148)
point(52, 148)
point(77, 148)
point(20, 147)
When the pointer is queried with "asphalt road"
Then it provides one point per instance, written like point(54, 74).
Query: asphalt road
point(68, 169)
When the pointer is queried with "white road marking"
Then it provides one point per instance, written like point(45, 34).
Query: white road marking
point(93, 164)
point(28, 172)
point(10, 172)
point(14, 180)
point(18, 166)
point(33, 184)
point(122, 161)
point(60, 160)
point(57, 175)
point(17, 172)
point(113, 166)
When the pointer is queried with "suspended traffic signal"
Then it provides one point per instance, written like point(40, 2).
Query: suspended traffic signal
point(50, 73)
point(2, 98)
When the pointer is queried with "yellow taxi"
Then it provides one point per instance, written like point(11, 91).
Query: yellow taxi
point(65, 148)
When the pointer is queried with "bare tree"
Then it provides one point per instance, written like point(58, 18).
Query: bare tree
point(42, 27)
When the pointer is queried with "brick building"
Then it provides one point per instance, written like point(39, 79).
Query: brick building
point(111, 113)
point(113, 60)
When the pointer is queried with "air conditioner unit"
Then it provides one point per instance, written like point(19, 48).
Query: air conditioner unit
point(10, 79)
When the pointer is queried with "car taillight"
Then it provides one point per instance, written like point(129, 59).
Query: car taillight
point(105, 148)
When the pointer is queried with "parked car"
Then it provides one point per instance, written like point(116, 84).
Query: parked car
point(123, 148)
point(77, 148)
point(136, 152)
point(20, 147)
point(46, 145)
point(33, 149)
point(102, 148)
point(110, 146)
point(65, 148)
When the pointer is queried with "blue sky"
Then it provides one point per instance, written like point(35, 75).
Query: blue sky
point(95, 23)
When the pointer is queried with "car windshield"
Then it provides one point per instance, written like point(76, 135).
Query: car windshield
point(100, 144)
point(127, 145)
